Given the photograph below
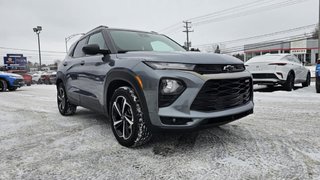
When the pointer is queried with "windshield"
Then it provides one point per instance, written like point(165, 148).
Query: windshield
point(139, 41)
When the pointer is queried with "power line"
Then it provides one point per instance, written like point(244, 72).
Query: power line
point(236, 11)
point(31, 50)
point(177, 25)
point(268, 43)
point(250, 12)
point(232, 10)
point(260, 36)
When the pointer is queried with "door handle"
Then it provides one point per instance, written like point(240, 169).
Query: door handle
point(82, 63)
point(65, 63)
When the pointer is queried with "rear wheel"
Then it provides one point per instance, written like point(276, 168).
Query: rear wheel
point(307, 82)
point(289, 84)
point(3, 85)
point(318, 85)
point(64, 106)
point(128, 124)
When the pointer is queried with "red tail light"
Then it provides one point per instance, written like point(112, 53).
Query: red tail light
point(278, 64)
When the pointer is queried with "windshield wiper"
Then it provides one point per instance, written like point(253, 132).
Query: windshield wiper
point(125, 51)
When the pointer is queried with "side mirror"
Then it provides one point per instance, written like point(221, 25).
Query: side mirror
point(93, 49)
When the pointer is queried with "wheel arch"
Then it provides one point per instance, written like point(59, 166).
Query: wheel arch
point(292, 72)
point(123, 77)
point(60, 78)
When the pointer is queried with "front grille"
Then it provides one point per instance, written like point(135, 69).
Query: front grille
point(264, 76)
point(223, 94)
point(18, 82)
point(218, 68)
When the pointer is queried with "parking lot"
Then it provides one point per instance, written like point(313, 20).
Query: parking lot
point(281, 140)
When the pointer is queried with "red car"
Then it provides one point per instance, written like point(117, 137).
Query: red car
point(27, 77)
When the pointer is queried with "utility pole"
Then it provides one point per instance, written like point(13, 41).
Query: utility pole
point(187, 31)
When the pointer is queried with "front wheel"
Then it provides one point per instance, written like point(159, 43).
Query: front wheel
point(3, 85)
point(318, 85)
point(127, 121)
point(289, 84)
point(12, 88)
point(307, 82)
point(64, 106)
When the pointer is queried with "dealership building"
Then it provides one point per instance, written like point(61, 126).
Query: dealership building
point(306, 50)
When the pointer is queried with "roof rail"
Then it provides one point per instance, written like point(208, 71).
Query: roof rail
point(101, 26)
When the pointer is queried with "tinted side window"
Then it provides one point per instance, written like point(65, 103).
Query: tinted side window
point(295, 59)
point(78, 50)
point(98, 39)
point(289, 58)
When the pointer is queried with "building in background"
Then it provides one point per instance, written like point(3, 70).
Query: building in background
point(306, 50)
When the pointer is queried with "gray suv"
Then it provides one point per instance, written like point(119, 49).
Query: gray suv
point(146, 82)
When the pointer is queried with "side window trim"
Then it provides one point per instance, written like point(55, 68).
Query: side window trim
point(102, 35)
point(86, 42)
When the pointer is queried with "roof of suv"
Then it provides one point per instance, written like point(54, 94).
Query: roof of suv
point(120, 29)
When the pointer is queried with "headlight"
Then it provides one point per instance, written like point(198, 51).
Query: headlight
point(16, 76)
point(168, 65)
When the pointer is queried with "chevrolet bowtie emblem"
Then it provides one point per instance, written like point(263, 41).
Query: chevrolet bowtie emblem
point(228, 68)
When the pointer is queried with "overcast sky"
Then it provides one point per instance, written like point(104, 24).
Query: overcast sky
point(61, 18)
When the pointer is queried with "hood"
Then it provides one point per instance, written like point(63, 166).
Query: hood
point(181, 57)
point(11, 74)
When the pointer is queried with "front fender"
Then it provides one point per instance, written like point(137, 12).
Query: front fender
point(128, 76)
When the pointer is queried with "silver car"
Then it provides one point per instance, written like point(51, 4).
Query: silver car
point(145, 82)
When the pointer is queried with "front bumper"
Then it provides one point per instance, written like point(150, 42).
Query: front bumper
point(17, 82)
point(268, 78)
point(179, 112)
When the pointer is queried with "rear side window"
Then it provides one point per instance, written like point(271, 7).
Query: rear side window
point(295, 59)
point(78, 50)
point(98, 39)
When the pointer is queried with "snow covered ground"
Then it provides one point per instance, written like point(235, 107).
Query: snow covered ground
point(280, 141)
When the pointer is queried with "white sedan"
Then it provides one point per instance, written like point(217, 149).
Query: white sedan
point(274, 69)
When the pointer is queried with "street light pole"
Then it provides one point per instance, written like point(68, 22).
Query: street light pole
point(70, 37)
point(37, 30)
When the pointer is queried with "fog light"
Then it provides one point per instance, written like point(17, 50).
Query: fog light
point(171, 86)
point(280, 74)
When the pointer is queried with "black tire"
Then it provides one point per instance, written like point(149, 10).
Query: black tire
point(126, 117)
point(29, 84)
point(12, 88)
point(3, 85)
point(318, 85)
point(64, 106)
point(289, 84)
point(307, 82)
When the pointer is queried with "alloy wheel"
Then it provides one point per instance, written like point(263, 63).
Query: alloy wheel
point(122, 117)
point(61, 99)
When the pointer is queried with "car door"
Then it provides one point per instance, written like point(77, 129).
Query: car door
point(300, 76)
point(72, 64)
point(94, 70)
